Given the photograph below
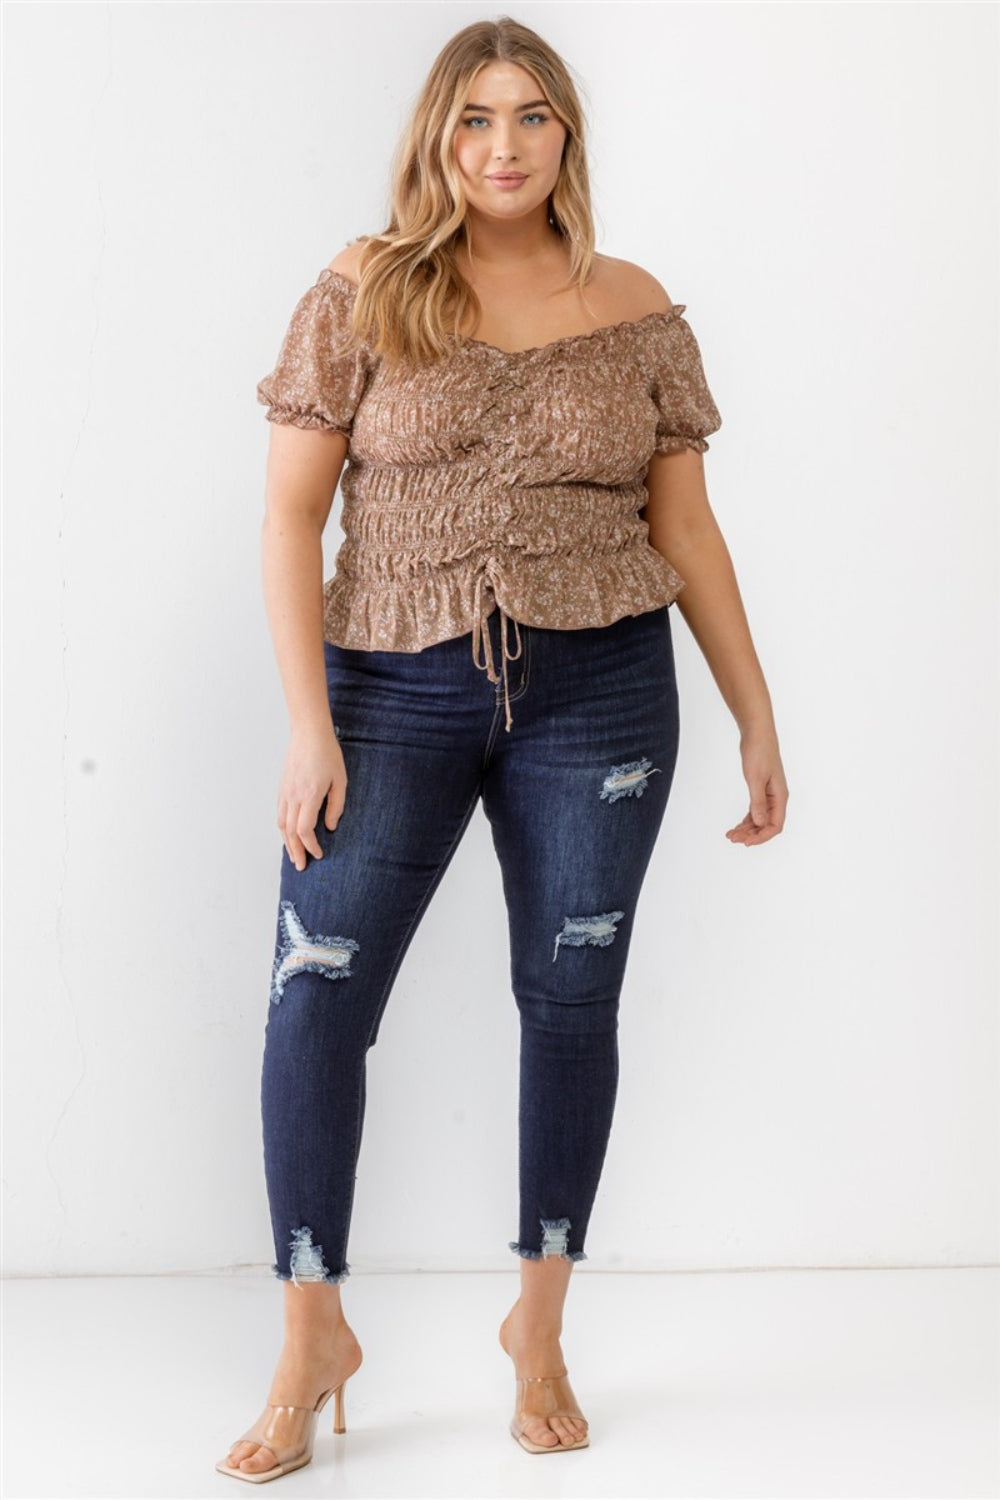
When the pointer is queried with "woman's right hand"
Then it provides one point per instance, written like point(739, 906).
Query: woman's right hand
point(314, 769)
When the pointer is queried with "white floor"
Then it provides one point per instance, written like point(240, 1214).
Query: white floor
point(787, 1383)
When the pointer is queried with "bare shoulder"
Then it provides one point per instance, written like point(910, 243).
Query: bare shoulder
point(347, 262)
point(628, 290)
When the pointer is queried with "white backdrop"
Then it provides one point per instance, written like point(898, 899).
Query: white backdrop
point(808, 1029)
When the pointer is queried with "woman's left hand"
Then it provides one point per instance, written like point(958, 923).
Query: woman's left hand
point(765, 776)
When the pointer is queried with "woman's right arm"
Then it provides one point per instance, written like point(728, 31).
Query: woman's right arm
point(303, 470)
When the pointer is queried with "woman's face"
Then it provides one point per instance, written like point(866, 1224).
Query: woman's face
point(508, 127)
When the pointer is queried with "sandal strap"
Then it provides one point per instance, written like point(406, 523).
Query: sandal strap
point(284, 1406)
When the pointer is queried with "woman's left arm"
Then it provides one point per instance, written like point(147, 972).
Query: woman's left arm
point(683, 528)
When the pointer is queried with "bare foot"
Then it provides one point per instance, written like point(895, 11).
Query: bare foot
point(305, 1370)
point(537, 1351)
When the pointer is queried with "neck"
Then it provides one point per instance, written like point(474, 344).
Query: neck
point(498, 247)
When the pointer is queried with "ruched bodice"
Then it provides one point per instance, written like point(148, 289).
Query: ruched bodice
point(492, 478)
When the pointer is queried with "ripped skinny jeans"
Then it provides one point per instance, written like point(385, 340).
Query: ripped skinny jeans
point(574, 792)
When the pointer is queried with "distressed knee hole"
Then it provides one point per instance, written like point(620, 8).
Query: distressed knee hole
point(628, 780)
point(304, 952)
point(597, 931)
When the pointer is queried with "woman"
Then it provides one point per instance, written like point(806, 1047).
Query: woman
point(524, 422)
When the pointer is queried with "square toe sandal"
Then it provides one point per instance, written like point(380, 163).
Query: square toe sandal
point(545, 1396)
point(289, 1432)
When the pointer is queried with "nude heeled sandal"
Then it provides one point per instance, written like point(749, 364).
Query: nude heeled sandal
point(552, 1397)
point(289, 1432)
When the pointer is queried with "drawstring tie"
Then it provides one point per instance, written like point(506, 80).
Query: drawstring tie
point(481, 631)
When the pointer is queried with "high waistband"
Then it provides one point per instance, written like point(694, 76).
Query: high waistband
point(481, 630)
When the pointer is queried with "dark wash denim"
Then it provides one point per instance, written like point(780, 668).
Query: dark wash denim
point(575, 794)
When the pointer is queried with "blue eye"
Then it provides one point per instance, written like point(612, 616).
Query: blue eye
point(480, 119)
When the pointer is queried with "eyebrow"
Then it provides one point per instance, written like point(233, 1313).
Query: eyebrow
point(485, 109)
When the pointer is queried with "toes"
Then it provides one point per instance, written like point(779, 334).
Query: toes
point(552, 1432)
point(541, 1432)
point(238, 1451)
point(569, 1429)
point(258, 1457)
point(262, 1459)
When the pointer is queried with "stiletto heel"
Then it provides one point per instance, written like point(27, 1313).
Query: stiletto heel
point(552, 1397)
point(288, 1431)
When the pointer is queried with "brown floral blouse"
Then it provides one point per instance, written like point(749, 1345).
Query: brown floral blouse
point(492, 479)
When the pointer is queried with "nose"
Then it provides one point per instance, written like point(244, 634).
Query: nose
point(503, 151)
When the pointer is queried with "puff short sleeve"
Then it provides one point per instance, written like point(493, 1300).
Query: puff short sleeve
point(312, 385)
point(686, 410)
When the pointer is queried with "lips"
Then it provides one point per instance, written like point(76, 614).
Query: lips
point(507, 176)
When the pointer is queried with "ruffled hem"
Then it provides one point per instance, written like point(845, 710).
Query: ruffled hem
point(294, 416)
point(412, 614)
point(314, 384)
point(675, 443)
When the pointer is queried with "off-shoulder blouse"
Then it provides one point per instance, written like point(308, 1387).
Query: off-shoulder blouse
point(492, 479)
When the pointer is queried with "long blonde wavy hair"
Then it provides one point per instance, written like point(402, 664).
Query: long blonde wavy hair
point(412, 298)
